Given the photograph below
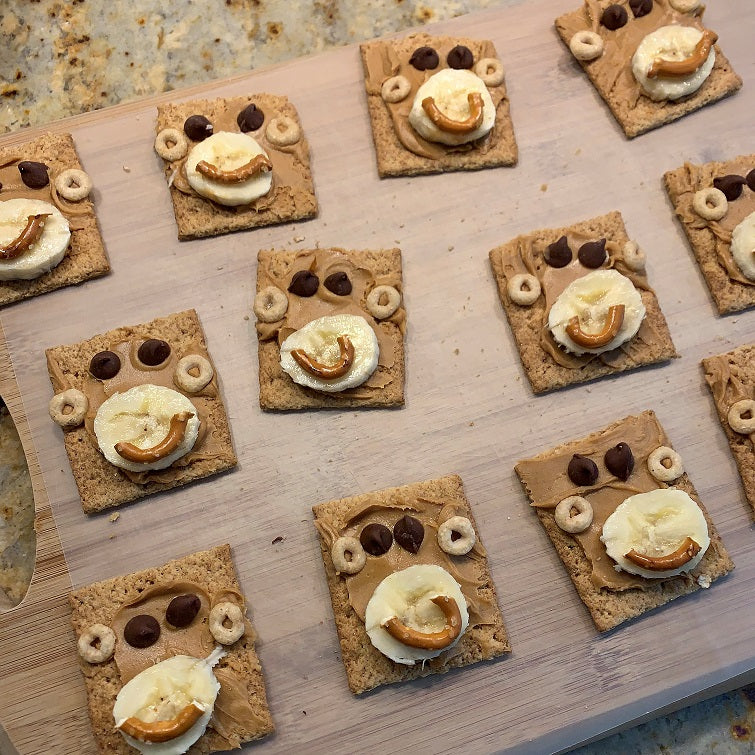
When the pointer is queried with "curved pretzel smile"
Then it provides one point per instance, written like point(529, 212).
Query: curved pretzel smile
point(444, 123)
point(429, 640)
point(174, 438)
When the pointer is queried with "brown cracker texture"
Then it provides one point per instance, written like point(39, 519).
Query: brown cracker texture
point(86, 257)
point(98, 603)
point(543, 372)
point(366, 667)
point(102, 485)
point(197, 217)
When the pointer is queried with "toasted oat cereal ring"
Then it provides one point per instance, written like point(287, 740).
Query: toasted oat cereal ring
point(357, 557)
point(193, 383)
point(685, 6)
point(383, 301)
point(737, 419)
point(586, 45)
point(659, 470)
point(270, 304)
point(580, 521)
point(171, 144)
point(461, 545)
point(230, 613)
point(282, 131)
point(490, 71)
point(73, 184)
point(96, 643)
point(634, 257)
point(710, 203)
point(395, 89)
point(76, 404)
point(523, 289)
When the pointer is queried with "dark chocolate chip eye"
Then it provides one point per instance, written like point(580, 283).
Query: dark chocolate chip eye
point(338, 283)
point(581, 470)
point(460, 57)
point(304, 283)
point(34, 175)
point(750, 179)
point(409, 533)
point(105, 365)
point(593, 253)
point(197, 128)
point(153, 352)
point(376, 539)
point(730, 185)
point(424, 59)
point(141, 631)
point(250, 118)
point(614, 17)
point(558, 253)
point(640, 7)
point(182, 610)
point(620, 461)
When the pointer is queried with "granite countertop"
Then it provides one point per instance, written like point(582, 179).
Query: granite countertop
point(62, 58)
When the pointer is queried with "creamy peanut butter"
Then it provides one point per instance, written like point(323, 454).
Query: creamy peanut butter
point(728, 385)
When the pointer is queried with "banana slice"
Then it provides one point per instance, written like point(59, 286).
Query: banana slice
point(228, 151)
point(450, 90)
point(743, 246)
point(321, 341)
point(655, 525)
point(592, 299)
point(163, 693)
point(143, 416)
point(44, 254)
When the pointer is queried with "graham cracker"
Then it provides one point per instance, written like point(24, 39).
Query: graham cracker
point(636, 112)
point(366, 667)
point(731, 378)
point(393, 158)
point(709, 240)
point(98, 603)
point(85, 257)
point(198, 217)
point(385, 388)
point(102, 485)
point(610, 607)
point(651, 345)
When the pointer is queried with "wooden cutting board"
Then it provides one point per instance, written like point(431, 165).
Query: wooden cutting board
point(469, 410)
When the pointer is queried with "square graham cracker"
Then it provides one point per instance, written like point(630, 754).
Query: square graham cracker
point(546, 483)
point(651, 345)
point(101, 484)
point(731, 378)
point(85, 258)
point(385, 388)
point(98, 603)
point(366, 667)
point(292, 196)
point(710, 240)
point(382, 59)
point(635, 111)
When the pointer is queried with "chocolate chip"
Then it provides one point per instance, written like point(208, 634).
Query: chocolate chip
point(304, 283)
point(34, 175)
point(197, 128)
point(141, 631)
point(153, 352)
point(376, 539)
point(424, 59)
point(582, 471)
point(105, 365)
point(460, 57)
point(750, 179)
point(558, 253)
point(641, 8)
point(614, 17)
point(182, 610)
point(730, 185)
point(593, 253)
point(620, 461)
point(409, 533)
point(250, 118)
point(338, 283)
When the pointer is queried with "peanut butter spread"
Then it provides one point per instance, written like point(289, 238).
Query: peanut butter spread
point(729, 382)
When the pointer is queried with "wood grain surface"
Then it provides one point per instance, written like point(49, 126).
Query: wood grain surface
point(468, 410)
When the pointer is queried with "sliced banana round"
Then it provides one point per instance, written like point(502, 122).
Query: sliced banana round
point(322, 342)
point(228, 151)
point(594, 300)
point(451, 91)
point(166, 708)
point(143, 416)
point(408, 596)
point(661, 528)
point(41, 255)
point(743, 246)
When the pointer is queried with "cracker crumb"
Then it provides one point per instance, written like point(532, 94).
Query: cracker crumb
point(126, 169)
point(114, 517)
point(246, 317)
point(297, 239)
point(456, 352)
point(543, 187)
point(278, 539)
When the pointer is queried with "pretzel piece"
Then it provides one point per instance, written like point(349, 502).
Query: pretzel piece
point(613, 323)
point(163, 731)
point(327, 371)
point(684, 553)
point(429, 640)
point(174, 438)
point(444, 123)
